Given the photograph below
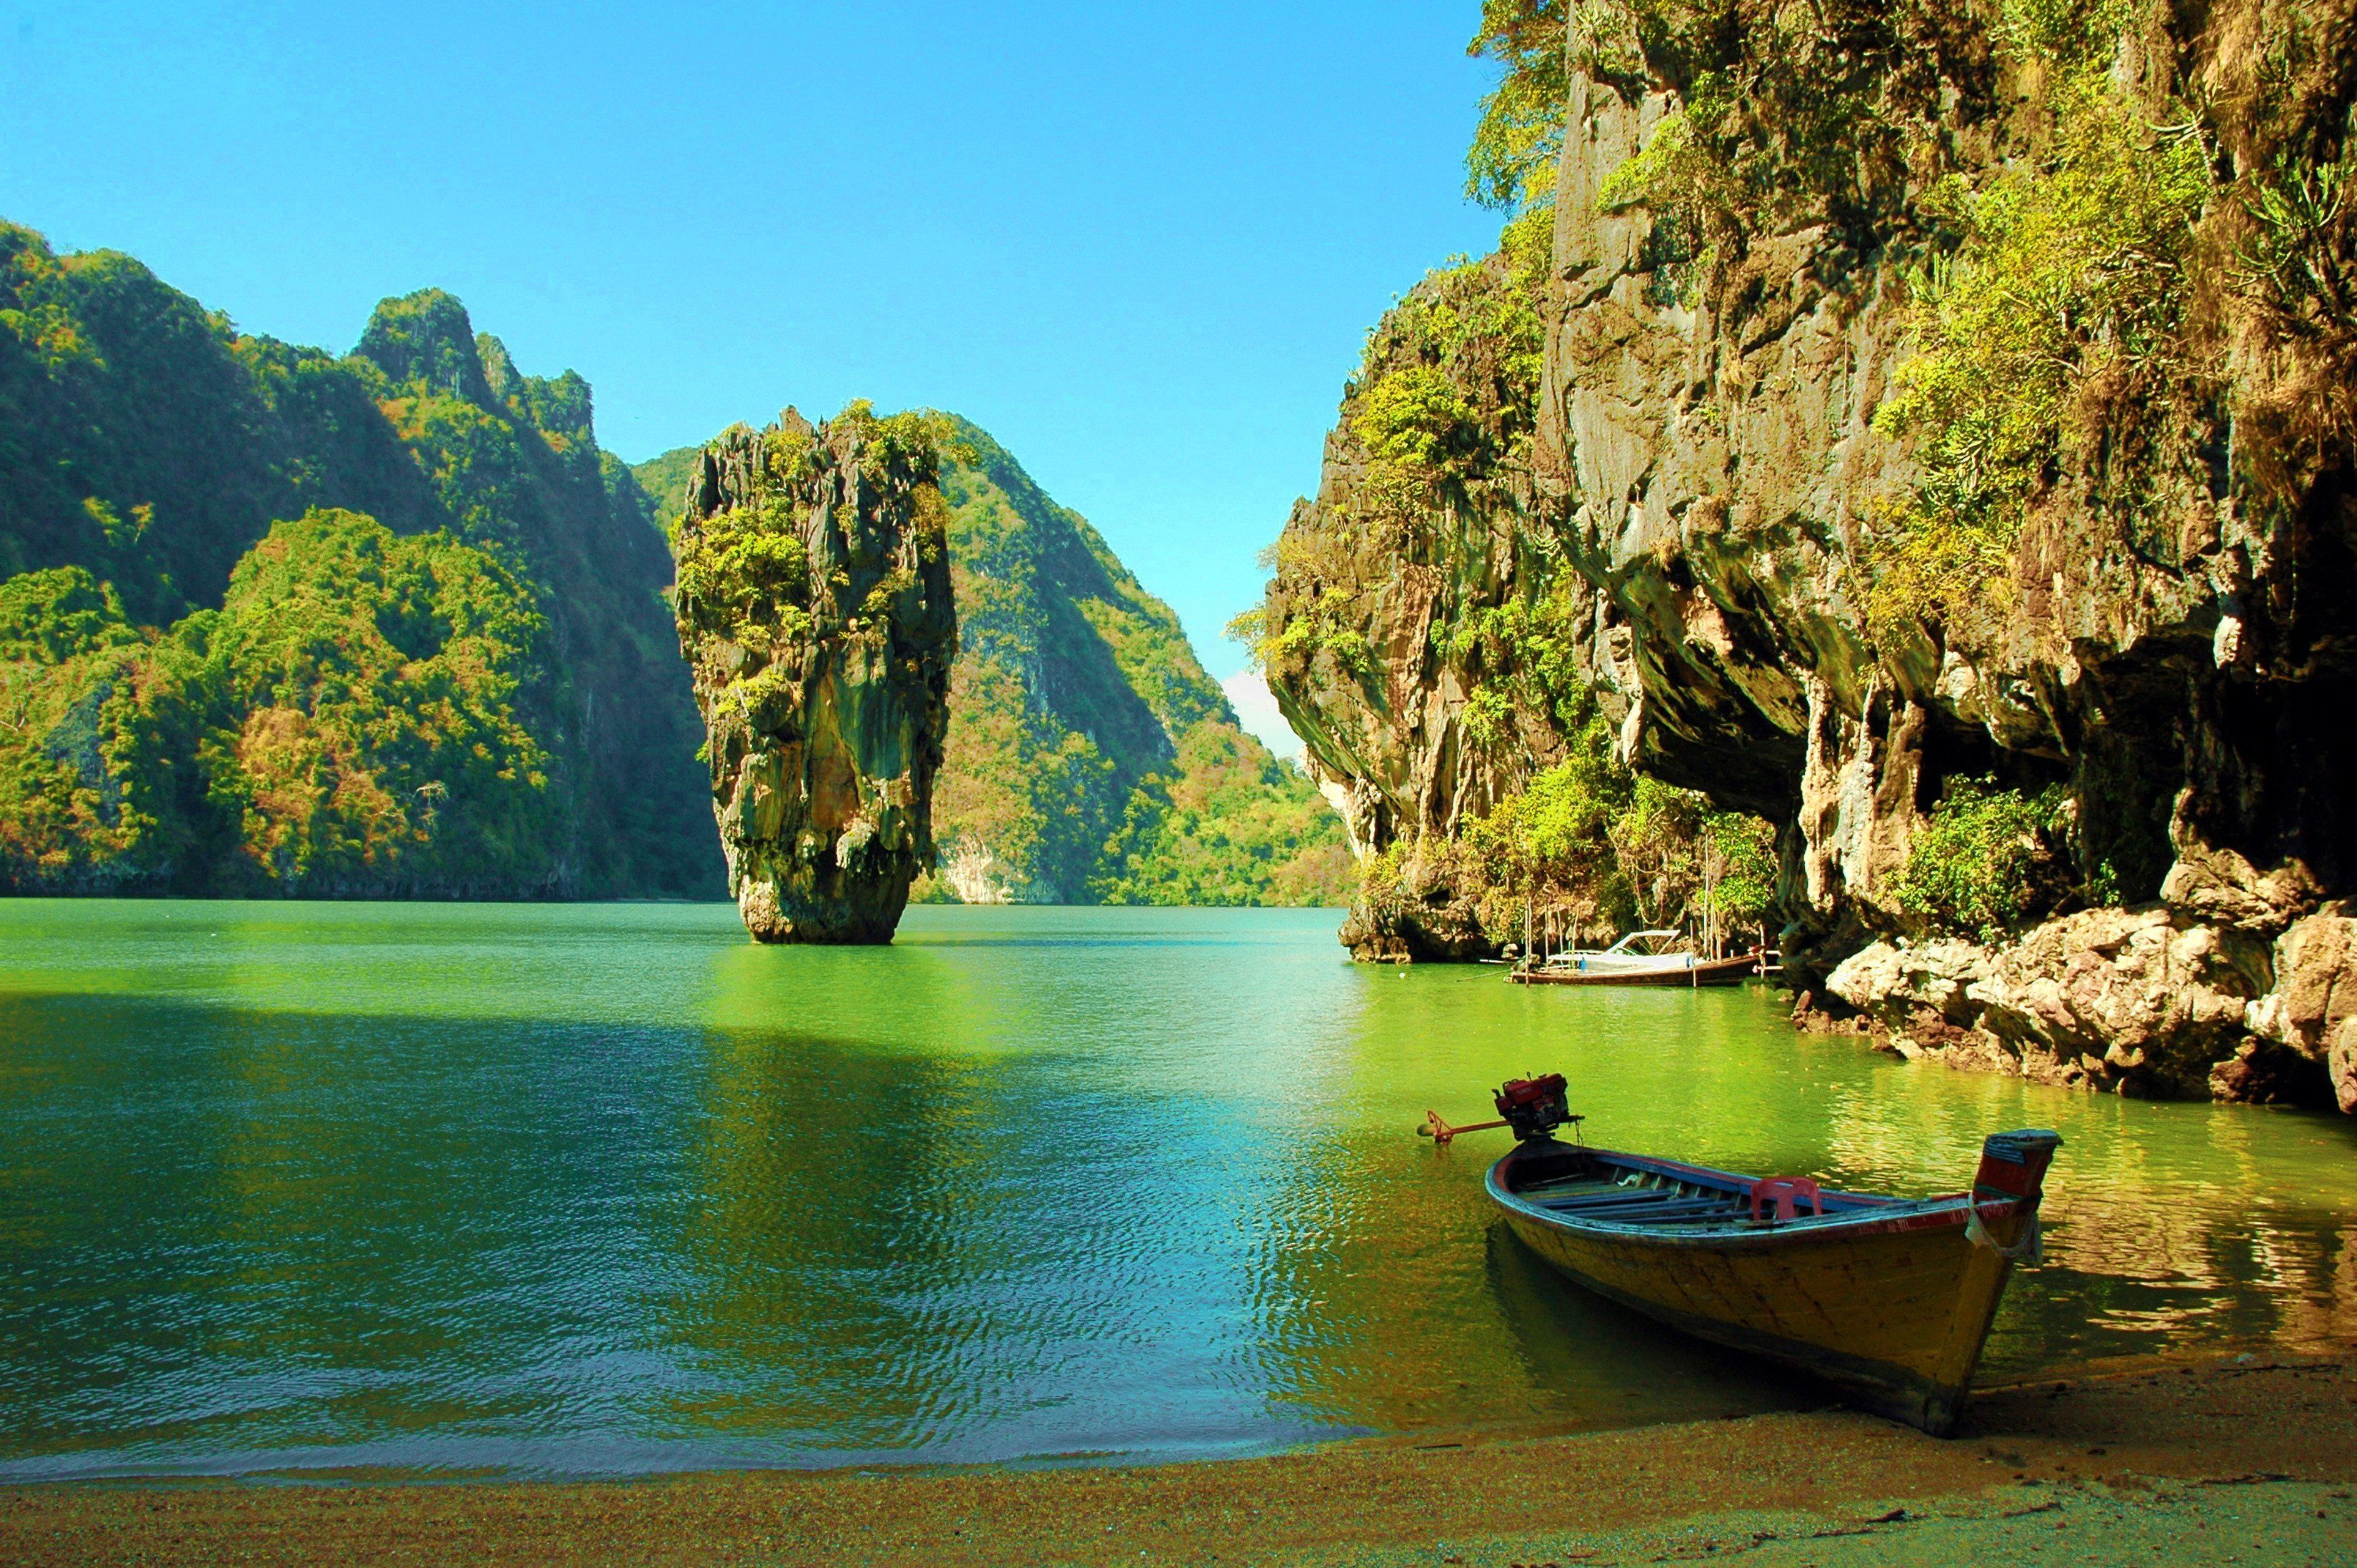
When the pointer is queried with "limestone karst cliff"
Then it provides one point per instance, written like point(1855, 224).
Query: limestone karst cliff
point(1942, 450)
point(1424, 636)
point(1089, 757)
point(814, 608)
point(1415, 545)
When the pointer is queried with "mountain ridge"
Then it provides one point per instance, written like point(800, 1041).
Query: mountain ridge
point(280, 622)
point(149, 445)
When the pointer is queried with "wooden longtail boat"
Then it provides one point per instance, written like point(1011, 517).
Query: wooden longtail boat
point(1888, 1297)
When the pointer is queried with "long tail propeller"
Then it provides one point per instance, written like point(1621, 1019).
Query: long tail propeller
point(1532, 1107)
point(1440, 1132)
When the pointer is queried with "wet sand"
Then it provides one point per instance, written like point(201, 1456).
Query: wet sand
point(2246, 1459)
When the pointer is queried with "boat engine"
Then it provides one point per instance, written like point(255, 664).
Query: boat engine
point(1535, 1107)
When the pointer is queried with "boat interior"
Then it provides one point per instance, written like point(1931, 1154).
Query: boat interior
point(1593, 1188)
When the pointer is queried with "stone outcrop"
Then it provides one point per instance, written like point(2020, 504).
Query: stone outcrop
point(1369, 589)
point(2172, 643)
point(1425, 918)
point(2145, 1002)
point(814, 608)
point(2313, 1009)
point(2165, 633)
point(1410, 636)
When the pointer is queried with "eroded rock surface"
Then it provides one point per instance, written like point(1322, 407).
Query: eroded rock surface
point(814, 608)
point(2313, 1009)
point(2147, 1001)
point(2169, 642)
point(2165, 634)
point(1415, 722)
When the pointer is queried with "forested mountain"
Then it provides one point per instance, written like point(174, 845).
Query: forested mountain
point(277, 621)
point(1090, 758)
point(389, 624)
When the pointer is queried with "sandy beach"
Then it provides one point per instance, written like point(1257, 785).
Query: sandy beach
point(2250, 1458)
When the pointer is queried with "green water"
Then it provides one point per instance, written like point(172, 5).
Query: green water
point(603, 1189)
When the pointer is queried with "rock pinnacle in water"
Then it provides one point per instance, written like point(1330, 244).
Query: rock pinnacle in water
point(815, 612)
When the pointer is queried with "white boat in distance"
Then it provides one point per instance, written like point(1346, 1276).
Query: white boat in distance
point(1640, 958)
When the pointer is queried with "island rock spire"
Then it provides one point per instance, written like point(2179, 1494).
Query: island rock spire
point(814, 609)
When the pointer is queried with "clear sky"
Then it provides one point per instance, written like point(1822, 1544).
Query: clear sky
point(1140, 244)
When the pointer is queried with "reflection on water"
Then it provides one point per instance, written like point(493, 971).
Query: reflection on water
point(608, 1190)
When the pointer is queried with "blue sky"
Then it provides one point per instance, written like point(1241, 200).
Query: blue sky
point(1139, 244)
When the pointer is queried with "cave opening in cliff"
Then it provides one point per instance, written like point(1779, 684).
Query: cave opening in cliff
point(2274, 745)
point(1951, 749)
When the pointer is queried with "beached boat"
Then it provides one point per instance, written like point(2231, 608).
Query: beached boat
point(1640, 958)
point(1890, 1299)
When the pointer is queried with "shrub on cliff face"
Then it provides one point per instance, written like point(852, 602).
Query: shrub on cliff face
point(2055, 333)
point(1789, 114)
point(1519, 137)
point(1975, 866)
point(1436, 421)
point(1444, 402)
point(1597, 850)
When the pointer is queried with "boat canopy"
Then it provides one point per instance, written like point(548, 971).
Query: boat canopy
point(1645, 944)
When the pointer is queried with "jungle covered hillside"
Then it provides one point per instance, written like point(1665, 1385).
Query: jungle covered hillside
point(277, 621)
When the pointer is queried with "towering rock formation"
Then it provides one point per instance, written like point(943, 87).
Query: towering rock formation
point(1089, 757)
point(1397, 633)
point(1972, 401)
point(814, 609)
point(1962, 408)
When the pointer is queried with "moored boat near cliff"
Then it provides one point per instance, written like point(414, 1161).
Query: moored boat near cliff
point(1637, 958)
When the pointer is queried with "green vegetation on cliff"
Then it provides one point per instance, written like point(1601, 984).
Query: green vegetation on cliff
point(1518, 141)
point(1515, 805)
point(2044, 193)
point(1976, 865)
point(815, 610)
point(383, 624)
point(1091, 757)
point(1224, 822)
point(2056, 328)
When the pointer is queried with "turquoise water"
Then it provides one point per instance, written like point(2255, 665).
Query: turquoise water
point(607, 1189)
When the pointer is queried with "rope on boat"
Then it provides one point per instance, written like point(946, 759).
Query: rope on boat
point(2029, 1250)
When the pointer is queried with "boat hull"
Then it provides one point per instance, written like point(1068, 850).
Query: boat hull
point(1713, 972)
point(1892, 1307)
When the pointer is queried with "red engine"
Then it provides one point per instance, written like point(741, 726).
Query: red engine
point(1535, 1107)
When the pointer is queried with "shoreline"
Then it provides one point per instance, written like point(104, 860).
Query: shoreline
point(2255, 1452)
